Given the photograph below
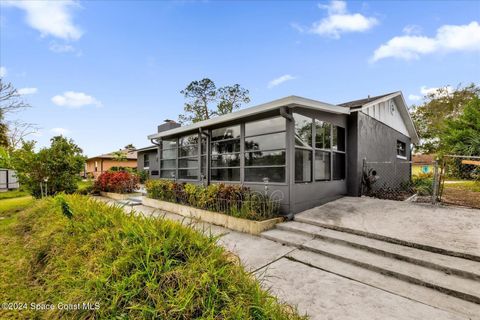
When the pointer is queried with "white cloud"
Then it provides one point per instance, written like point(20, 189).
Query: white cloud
point(24, 91)
point(275, 82)
point(448, 38)
point(74, 99)
point(60, 131)
point(425, 91)
point(414, 97)
point(340, 21)
point(3, 72)
point(52, 18)
point(412, 29)
point(61, 48)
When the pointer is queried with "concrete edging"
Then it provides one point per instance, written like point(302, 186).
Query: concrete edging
point(219, 219)
point(118, 196)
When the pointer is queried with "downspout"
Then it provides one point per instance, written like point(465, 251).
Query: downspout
point(284, 112)
point(207, 154)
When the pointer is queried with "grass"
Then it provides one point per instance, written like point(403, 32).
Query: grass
point(464, 193)
point(8, 206)
point(134, 267)
point(12, 194)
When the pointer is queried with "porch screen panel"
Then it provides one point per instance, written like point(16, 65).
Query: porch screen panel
point(188, 166)
point(225, 154)
point(265, 143)
point(168, 159)
point(303, 148)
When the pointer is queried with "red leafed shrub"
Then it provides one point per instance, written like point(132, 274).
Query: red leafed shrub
point(119, 182)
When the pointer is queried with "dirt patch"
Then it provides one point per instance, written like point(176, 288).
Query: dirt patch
point(461, 197)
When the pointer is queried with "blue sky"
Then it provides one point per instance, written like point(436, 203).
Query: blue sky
point(105, 73)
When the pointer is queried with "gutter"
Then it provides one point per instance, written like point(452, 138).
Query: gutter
point(284, 112)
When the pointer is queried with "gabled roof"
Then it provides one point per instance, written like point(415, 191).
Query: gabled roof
point(152, 147)
point(290, 101)
point(397, 96)
point(360, 102)
point(130, 154)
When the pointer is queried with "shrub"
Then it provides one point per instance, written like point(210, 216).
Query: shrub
point(74, 249)
point(142, 175)
point(234, 200)
point(423, 184)
point(119, 182)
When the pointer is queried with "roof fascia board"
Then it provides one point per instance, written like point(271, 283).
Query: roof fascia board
point(291, 101)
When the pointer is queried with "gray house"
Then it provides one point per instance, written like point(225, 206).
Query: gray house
point(308, 151)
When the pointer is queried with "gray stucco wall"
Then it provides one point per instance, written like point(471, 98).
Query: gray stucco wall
point(373, 140)
point(152, 158)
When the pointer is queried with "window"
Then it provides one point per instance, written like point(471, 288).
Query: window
point(225, 154)
point(338, 166)
point(401, 150)
point(338, 142)
point(265, 143)
point(303, 165)
point(146, 161)
point(339, 159)
point(322, 165)
point(322, 134)
point(303, 131)
point(188, 157)
point(326, 147)
point(303, 148)
point(168, 156)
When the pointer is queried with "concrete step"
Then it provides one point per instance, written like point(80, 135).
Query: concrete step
point(320, 223)
point(448, 264)
point(294, 239)
point(457, 286)
point(453, 285)
point(387, 283)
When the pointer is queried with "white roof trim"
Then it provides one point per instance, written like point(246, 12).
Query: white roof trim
point(290, 101)
point(407, 119)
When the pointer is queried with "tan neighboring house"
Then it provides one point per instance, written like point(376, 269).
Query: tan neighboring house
point(94, 166)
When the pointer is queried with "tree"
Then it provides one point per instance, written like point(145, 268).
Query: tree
point(119, 156)
point(130, 146)
point(51, 170)
point(13, 132)
point(462, 135)
point(3, 131)
point(438, 107)
point(202, 94)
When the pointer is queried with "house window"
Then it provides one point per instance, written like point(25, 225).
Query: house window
point(188, 157)
point(303, 148)
point(168, 156)
point(265, 143)
point(225, 154)
point(401, 150)
point(326, 146)
point(146, 161)
point(339, 158)
point(323, 143)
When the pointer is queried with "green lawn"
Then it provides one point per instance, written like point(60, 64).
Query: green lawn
point(469, 185)
point(12, 194)
point(8, 206)
point(74, 249)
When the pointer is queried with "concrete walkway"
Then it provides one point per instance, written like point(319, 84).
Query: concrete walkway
point(318, 293)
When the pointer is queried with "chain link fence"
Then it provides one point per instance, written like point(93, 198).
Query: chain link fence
point(460, 181)
point(453, 180)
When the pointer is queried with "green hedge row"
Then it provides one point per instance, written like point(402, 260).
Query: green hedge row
point(234, 200)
